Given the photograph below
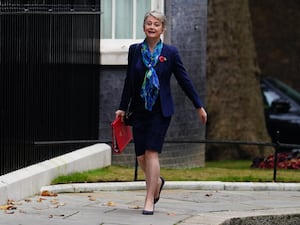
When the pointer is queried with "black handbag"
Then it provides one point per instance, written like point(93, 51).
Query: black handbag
point(128, 114)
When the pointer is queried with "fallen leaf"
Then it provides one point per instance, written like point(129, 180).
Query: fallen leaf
point(48, 193)
point(134, 207)
point(3, 207)
point(110, 203)
point(171, 214)
point(91, 198)
point(7, 207)
point(10, 202)
point(57, 205)
point(41, 199)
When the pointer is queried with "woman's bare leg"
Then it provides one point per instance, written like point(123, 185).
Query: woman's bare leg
point(151, 167)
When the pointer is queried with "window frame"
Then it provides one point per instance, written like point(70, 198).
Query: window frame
point(114, 51)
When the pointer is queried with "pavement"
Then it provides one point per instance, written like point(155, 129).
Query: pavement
point(181, 203)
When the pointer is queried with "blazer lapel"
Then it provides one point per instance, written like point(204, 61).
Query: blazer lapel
point(160, 65)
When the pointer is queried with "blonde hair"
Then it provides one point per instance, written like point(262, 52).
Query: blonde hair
point(158, 15)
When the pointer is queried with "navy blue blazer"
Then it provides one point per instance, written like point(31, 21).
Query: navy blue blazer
point(169, 64)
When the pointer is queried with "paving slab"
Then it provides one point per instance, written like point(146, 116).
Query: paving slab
point(180, 206)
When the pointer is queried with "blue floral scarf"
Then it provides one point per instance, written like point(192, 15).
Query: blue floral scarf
point(150, 86)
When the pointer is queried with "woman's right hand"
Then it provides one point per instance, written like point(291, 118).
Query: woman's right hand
point(120, 113)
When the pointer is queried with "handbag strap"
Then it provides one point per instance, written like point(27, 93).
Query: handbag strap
point(114, 144)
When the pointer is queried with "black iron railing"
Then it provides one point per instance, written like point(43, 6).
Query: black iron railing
point(277, 146)
point(49, 56)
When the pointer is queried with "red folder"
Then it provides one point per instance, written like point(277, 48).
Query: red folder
point(121, 135)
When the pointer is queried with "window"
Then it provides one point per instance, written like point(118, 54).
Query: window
point(122, 25)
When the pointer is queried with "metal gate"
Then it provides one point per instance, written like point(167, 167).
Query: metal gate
point(49, 54)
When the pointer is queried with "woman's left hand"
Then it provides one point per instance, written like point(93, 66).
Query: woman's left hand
point(202, 115)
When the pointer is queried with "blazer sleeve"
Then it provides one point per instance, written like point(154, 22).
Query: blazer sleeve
point(128, 84)
point(184, 81)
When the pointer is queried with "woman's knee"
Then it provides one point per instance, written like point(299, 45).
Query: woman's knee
point(141, 160)
point(151, 154)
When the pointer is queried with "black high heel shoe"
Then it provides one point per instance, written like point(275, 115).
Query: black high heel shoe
point(147, 212)
point(161, 187)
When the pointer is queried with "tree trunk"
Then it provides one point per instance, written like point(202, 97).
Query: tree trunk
point(234, 101)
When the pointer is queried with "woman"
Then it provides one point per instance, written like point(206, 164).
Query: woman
point(147, 86)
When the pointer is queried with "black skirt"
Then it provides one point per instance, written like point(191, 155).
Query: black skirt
point(149, 131)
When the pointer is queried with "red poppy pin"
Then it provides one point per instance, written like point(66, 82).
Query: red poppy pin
point(162, 58)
